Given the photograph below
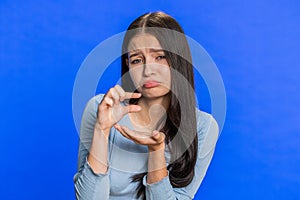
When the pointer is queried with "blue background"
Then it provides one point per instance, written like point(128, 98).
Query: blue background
point(255, 45)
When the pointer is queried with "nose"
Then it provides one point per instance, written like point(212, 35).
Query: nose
point(148, 68)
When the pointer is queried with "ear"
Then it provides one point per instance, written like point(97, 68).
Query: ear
point(127, 62)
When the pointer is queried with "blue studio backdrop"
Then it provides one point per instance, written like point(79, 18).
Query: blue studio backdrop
point(255, 45)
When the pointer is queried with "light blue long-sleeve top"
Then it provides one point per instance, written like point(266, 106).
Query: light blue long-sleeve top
point(127, 158)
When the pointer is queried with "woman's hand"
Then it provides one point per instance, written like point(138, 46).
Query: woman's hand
point(110, 111)
point(154, 140)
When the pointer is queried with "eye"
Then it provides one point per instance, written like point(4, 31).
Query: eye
point(136, 61)
point(161, 57)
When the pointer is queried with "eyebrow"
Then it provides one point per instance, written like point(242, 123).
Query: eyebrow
point(139, 52)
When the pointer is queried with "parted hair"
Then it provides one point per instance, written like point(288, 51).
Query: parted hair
point(180, 126)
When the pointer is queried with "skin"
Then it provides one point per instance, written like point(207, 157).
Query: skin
point(151, 75)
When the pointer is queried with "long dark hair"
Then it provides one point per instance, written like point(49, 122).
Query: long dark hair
point(180, 126)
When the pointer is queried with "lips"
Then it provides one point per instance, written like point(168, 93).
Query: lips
point(151, 84)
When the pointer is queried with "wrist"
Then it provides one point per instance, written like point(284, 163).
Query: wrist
point(156, 147)
point(101, 130)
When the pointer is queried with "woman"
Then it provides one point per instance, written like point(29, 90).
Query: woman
point(146, 139)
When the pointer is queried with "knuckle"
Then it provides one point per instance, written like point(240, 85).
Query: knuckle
point(111, 90)
point(122, 94)
point(120, 87)
point(117, 86)
point(107, 100)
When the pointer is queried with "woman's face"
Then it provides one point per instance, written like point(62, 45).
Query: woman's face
point(148, 66)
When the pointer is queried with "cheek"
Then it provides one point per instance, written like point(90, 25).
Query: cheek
point(166, 74)
point(136, 74)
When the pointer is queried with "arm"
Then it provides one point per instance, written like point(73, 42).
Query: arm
point(163, 189)
point(99, 150)
point(157, 169)
point(90, 181)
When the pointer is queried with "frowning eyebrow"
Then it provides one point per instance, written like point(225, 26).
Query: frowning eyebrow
point(138, 52)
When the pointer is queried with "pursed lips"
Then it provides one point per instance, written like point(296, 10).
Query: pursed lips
point(151, 84)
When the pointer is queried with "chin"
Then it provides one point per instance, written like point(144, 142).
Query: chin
point(154, 94)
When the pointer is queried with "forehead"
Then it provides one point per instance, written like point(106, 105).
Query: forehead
point(143, 41)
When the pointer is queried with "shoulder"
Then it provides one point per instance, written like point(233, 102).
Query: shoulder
point(96, 99)
point(92, 104)
point(204, 120)
point(91, 108)
point(208, 131)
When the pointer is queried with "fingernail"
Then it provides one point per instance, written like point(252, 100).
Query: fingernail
point(155, 132)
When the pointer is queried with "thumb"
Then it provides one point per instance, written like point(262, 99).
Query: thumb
point(131, 108)
point(158, 136)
